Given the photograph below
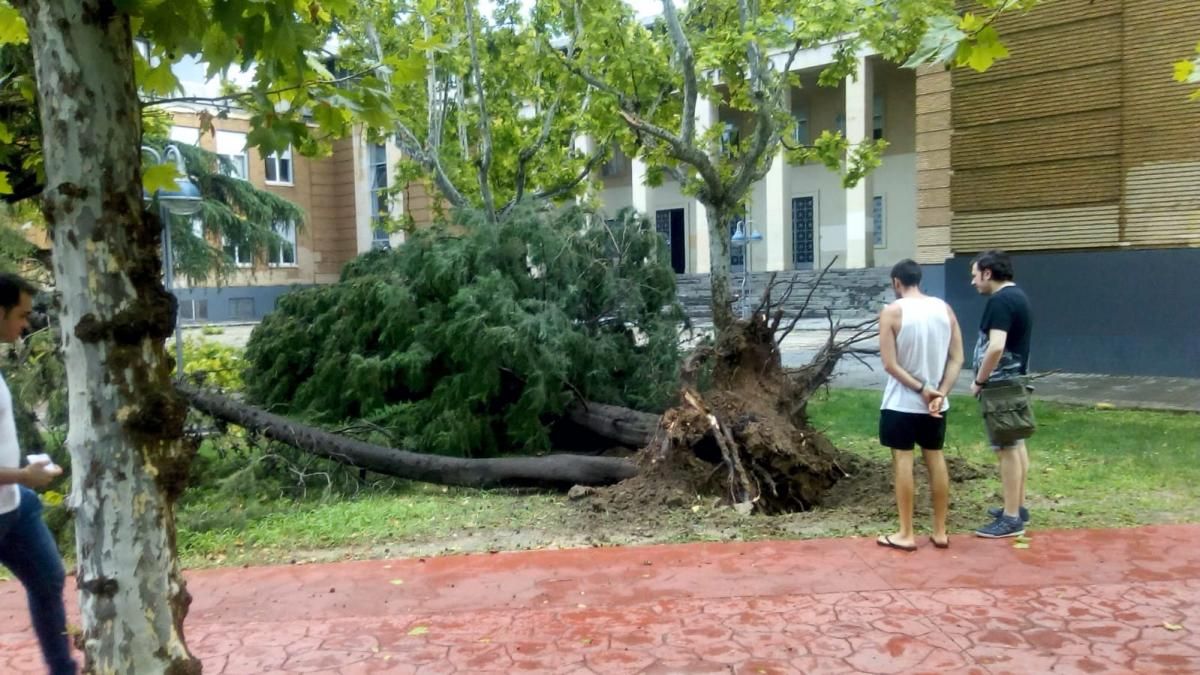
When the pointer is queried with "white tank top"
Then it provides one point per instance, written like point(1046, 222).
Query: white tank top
point(921, 349)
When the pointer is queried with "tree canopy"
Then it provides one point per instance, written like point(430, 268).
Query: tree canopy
point(472, 343)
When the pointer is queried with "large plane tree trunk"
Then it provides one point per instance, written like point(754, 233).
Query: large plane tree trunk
point(127, 458)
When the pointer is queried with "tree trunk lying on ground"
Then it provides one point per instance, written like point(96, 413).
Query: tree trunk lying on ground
point(557, 471)
point(628, 427)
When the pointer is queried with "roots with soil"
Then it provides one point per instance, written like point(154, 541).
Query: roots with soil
point(745, 438)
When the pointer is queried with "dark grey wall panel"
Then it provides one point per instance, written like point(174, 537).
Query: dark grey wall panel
point(1111, 312)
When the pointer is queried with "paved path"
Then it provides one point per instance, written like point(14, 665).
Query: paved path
point(1082, 601)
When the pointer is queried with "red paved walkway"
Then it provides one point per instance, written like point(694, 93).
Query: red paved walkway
point(1075, 602)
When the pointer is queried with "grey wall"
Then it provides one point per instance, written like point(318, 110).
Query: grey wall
point(232, 303)
point(1111, 312)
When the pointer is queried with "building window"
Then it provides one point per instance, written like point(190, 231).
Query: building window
point(800, 134)
point(231, 145)
point(240, 255)
point(241, 309)
point(185, 135)
point(615, 166)
point(839, 123)
point(877, 117)
point(279, 167)
point(730, 138)
point(193, 310)
point(283, 253)
point(380, 209)
point(877, 215)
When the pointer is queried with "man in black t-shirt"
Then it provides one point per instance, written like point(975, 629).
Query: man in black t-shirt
point(1002, 353)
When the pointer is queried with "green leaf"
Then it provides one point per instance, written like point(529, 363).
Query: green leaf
point(1185, 71)
point(983, 50)
point(5, 135)
point(159, 80)
point(5, 188)
point(418, 630)
point(940, 42)
point(13, 30)
point(159, 177)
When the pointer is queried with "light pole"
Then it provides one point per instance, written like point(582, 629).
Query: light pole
point(184, 200)
point(740, 238)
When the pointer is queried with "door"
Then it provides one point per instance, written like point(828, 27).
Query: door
point(802, 233)
point(670, 225)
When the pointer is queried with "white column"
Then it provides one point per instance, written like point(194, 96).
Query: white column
point(585, 145)
point(706, 116)
point(778, 215)
point(860, 243)
point(641, 191)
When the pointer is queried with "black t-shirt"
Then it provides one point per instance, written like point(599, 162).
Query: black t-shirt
point(1007, 310)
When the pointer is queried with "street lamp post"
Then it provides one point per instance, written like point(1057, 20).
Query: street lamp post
point(740, 238)
point(184, 200)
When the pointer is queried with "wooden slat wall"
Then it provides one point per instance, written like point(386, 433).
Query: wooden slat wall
point(1037, 138)
point(1161, 153)
point(1050, 228)
point(933, 140)
point(1080, 139)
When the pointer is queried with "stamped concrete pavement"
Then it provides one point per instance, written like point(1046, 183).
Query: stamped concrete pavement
point(1081, 601)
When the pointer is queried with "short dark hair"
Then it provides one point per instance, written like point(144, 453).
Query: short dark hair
point(11, 288)
point(997, 262)
point(908, 272)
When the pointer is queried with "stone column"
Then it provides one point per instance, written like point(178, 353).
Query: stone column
point(778, 212)
point(860, 241)
point(585, 145)
point(706, 117)
point(641, 191)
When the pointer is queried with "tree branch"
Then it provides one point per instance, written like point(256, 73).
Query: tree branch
point(748, 170)
point(408, 142)
point(485, 123)
point(242, 95)
point(687, 63)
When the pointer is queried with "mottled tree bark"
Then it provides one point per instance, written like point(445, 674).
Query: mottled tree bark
point(128, 462)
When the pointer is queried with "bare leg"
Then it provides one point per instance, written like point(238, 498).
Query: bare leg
point(1011, 479)
point(902, 471)
point(1024, 469)
point(939, 492)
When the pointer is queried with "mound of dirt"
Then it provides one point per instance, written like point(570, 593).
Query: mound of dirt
point(868, 482)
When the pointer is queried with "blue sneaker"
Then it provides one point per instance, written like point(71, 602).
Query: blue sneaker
point(998, 511)
point(1002, 527)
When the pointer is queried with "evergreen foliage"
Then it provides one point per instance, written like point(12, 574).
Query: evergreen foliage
point(471, 341)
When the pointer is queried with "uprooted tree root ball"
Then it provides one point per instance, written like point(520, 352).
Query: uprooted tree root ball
point(746, 439)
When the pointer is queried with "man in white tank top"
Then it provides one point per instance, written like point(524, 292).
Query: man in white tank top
point(921, 348)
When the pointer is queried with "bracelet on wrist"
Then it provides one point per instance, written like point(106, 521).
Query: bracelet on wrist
point(980, 384)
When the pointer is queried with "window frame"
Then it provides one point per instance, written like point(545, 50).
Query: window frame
point(289, 228)
point(278, 158)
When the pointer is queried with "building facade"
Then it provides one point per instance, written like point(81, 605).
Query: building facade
point(1081, 156)
point(344, 200)
point(1078, 154)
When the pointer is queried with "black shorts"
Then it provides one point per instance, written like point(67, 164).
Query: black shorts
point(901, 430)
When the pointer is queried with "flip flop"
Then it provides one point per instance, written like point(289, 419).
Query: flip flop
point(886, 540)
point(944, 544)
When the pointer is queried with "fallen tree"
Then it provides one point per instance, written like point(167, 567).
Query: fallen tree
point(555, 471)
point(745, 437)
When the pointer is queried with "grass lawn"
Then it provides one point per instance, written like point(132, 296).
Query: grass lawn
point(1089, 468)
